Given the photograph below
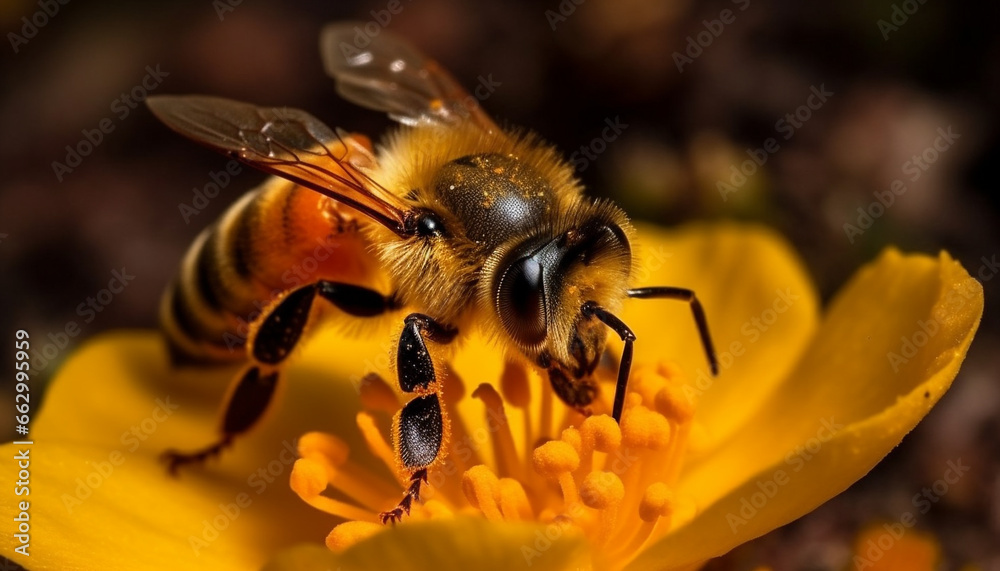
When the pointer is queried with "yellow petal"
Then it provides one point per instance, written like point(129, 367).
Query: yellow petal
point(100, 498)
point(443, 545)
point(843, 399)
point(761, 307)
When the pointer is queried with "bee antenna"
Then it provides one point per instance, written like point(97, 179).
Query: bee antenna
point(683, 294)
point(591, 309)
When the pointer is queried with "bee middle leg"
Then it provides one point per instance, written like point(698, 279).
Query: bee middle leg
point(420, 423)
point(278, 331)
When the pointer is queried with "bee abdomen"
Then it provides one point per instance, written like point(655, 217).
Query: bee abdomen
point(206, 309)
point(272, 240)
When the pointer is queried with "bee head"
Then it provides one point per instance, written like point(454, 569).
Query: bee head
point(539, 288)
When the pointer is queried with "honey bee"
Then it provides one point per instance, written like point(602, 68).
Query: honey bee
point(474, 226)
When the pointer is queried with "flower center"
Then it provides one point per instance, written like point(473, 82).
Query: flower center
point(510, 459)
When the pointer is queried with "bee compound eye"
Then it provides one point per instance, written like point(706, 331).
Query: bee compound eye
point(521, 301)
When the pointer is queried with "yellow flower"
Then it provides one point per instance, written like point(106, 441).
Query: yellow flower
point(804, 406)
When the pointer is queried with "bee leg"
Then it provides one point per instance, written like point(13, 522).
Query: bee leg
point(278, 333)
point(248, 401)
point(420, 424)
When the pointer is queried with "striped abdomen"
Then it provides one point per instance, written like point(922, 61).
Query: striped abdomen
point(275, 238)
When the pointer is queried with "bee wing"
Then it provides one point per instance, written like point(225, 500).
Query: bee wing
point(390, 75)
point(289, 143)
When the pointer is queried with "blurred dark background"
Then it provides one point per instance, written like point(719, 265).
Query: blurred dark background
point(696, 86)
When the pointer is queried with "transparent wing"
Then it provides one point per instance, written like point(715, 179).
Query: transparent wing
point(390, 75)
point(286, 142)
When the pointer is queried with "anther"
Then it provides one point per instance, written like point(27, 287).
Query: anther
point(672, 402)
point(481, 488)
point(644, 428)
point(657, 501)
point(308, 478)
point(601, 433)
point(557, 459)
point(603, 491)
point(332, 449)
point(349, 533)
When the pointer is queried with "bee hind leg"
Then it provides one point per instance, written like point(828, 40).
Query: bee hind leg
point(246, 403)
point(277, 332)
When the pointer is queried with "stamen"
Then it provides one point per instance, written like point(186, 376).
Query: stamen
point(376, 442)
point(482, 488)
point(454, 392)
point(514, 385)
point(603, 491)
point(308, 480)
point(376, 394)
point(514, 502)
point(572, 437)
point(516, 390)
point(545, 416)
point(332, 449)
point(557, 460)
point(354, 481)
point(349, 533)
point(657, 502)
point(496, 421)
point(615, 483)
point(598, 434)
point(643, 428)
point(673, 403)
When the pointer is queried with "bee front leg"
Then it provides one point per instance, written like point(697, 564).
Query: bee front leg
point(276, 333)
point(419, 427)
